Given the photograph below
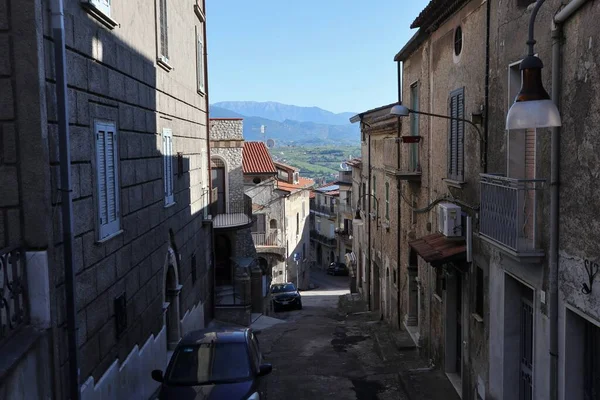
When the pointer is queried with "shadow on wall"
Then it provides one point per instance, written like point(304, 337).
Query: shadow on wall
point(142, 250)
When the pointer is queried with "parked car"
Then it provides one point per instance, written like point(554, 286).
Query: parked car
point(213, 364)
point(286, 295)
point(338, 269)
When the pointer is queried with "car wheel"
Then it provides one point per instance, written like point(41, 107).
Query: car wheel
point(299, 306)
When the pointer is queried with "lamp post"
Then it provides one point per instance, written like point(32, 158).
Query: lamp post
point(358, 221)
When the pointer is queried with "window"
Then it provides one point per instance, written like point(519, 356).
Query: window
point(479, 291)
point(101, 5)
point(456, 136)
point(387, 200)
point(204, 166)
point(297, 224)
point(107, 179)
point(199, 59)
point(168, 165)
point(163, 50)
point(193, 266)
point(331, 231)
point(318, 225)
point(259, 225)
point(439, 281)
point(458, 41)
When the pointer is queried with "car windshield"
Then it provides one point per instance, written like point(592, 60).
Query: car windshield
point(210, 363)
point(288, 287)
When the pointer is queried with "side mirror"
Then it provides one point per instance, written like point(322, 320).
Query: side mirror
point(265, 369)
point(157, 375)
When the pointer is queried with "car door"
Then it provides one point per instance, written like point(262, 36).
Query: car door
point(257, 358)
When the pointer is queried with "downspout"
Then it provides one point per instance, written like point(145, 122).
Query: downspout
point(399, 205)
point(58, 30)
point(486, 106)
point(369, 234)
point(557, 36)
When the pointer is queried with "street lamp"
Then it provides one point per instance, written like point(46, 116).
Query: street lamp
point(532, 107)
point(358, 221)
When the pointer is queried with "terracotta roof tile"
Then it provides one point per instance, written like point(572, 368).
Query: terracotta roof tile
point(286, 166)
point(437, 247)
point(303, 183)
point(256, 159)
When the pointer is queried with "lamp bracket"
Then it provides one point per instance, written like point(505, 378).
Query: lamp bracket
point(592, 269)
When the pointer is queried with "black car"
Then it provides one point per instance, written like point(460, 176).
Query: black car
point(285, 295)
point(338, 269)
point(211, 364)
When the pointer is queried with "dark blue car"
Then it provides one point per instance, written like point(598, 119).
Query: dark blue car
point(215, 364)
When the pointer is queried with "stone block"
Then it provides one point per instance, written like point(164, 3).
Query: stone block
point(92, 251)
point(10, 186)
point(133, 143)
point(128, 172)
point(125, 117)
point(9, 144)
point(5, 65)
point(53, 149)
point(139, 303)
point(155, 168)
point(97, 78)
point(129, 228)
point(143, 220)
point(139, 248)
point(148, 193)
point(131, 91)
point(132, 282)
point(72, 104)
point(146, 272)
point(86, 287)
point(124, 201)
point(96, 314)
point(83, 212)
point(139, 120)
point(82, 141)
point(89, 356)
point(84, 35)
point(75, 187)
point(83, 108)
point(86, 177)
point(3, 233)
point(106, 273)
point(159, 189)
point(141, 171)
point(81, 328)
point(6, 99)
point(135, 198)
point(124, 59)
point(107, 337)
point(78, 70)
point(123, 261)
point(4, 14)
point(116, 81)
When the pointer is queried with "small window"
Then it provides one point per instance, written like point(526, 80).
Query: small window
point(168, 165)
point(387, 200)
point(101, 5)
point(193, 266)
point(256, 180)
point(107, 179)
point(163, 26)
point(200, 59)
point(439, 281)
point(120, 304)
point(458, 40)
point(297, 224)
point(479, 291)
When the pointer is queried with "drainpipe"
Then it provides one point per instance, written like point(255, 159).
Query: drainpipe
point(557, 35)
point(487, 87)
point(399, 205)
point(368, 272)
point(58, 30)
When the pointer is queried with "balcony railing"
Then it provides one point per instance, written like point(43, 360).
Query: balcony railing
point(322, 238)
point(13, 293)
point(508, 212)
point(232, 214)
point(329, 209)
point(267, 239)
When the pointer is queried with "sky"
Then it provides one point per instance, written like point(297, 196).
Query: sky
point(333, 54)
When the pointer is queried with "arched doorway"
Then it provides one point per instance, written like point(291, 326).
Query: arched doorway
point(223, 273)
point(264, 265)
point(218, 172)
point(172, 288)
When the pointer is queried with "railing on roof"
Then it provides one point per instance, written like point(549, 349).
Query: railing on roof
point(14, 312)
point(232, 214)
point(264, 239)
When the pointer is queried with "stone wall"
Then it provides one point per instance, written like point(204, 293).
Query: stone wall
point(232, 157)
point(226, 129)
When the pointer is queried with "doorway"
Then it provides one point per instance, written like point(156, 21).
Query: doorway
point(223, 268)
point(171, 301)
point(376, 290)
point(454, 331)
point(218, 175)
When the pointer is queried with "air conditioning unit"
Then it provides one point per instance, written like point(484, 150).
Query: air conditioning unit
point(449, 220)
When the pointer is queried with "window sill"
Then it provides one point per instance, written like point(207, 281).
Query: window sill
point(455, 184)
point(477, 318)
point(201, 93)
point(164, 64)
point(438, 298)
point(169, 205)
point(100, 15)
point(199, 13)
point(109, 237)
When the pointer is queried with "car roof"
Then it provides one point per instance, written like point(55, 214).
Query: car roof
point(218, 335)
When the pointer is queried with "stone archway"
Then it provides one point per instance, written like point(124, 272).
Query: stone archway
point(172, 289)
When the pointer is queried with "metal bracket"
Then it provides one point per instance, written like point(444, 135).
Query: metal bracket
point(592, 270)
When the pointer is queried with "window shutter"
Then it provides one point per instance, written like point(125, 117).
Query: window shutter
point(107, 162)
point(200, 60)
point(452, 142)
point(460, 139)
point(164, 39)
point(102, 5)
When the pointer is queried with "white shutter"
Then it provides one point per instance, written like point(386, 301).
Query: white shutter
point(204, 168)
point(107, 173)
point(168, 165)
point(101, 5)
point(200, 60)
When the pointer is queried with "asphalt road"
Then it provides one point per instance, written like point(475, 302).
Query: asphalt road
point(325, 352)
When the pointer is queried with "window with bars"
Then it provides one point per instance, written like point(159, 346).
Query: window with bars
point(456, 135)
point(167, 137)
point(200, 59)
point(107, 179)
point(163, 26)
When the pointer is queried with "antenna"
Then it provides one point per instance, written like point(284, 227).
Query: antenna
point(270, 143)
point(344, 167)
point(263, 129)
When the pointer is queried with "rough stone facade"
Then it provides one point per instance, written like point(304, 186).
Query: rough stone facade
point(227, 143)
point(113, 76)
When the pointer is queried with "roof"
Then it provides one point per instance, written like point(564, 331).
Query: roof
point(410, 46)
point(256, 159)
point(285, 166)
point(303, 183)
point(223, 335)
point(435, 13)
point(437, 248)
point(226, 119)
point(359, 116)
point(355, 162)
point(330, 188)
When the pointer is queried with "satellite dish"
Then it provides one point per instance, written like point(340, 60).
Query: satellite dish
point(344, 167)
point(270, 143)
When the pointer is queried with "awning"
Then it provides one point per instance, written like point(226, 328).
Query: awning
point(438, 249)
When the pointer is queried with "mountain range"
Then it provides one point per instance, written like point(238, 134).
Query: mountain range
point(289, 124)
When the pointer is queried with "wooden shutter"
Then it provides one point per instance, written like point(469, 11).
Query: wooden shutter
point(164, 37)
point(456, 136)
point(200, 60)
point(107, 178)
point(168, 164)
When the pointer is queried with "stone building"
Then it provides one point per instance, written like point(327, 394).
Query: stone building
point(323, 214)
point(238, 277)
point(142, 250)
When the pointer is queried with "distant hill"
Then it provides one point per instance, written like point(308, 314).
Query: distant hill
point(290, 132)
point(281, 112)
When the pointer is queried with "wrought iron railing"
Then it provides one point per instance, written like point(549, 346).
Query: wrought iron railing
point(329, 209)
point(232, 213)
point(233, 294)
point(322, 238)
point(266, 239)
point(508, 211)
point(14, 312)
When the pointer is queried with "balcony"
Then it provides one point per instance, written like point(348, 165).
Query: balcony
point(508, 215)
point(268, 242)
point(13, 293)
point(344, 208)
point(327, 209)
point(410, 168)
point(327, 241)
point(233, 214)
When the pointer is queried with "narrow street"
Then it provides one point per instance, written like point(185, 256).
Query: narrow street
point(330, 349)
